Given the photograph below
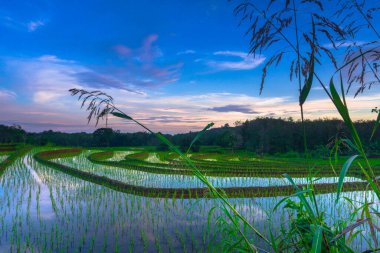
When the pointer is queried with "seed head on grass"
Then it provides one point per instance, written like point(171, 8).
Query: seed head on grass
point(99, 104)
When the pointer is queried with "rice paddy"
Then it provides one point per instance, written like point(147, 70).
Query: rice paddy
point(55, 201)
point(3, 157)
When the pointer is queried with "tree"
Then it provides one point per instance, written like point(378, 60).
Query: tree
point(12, 134)
point(226, 139)
point(102, 137)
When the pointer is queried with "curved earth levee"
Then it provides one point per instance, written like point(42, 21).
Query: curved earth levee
point(13, 152)
point(46, 157)
point(224, 169)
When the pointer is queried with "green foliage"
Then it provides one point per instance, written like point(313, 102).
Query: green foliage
point(309, 81)
point(199, 135)
point(102, 136)
point(261, 135)
point(342, 175)
point(18, 151)
point(162, 147)
point(377, 122)
point(12, 134)
point(308, 230)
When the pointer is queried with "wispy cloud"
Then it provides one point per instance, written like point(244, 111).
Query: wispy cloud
point(189, 51)
point(234, 108)
point(43, 82)
point(47, 78)
point(7, 94)
point(21, 24)
point(167, 113)
point(34, 25)
point(122, 50)
point(95, 80)
point(243, 61)
point(53, 58)
point(142, 67)
point(345, 44)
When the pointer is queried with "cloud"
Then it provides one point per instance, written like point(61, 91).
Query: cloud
point(7, 94)
point(189, 51)
point(122, 50)
point(234, 108)
point(53, 58)
point(345, 44)
point(145, 66)
point(171, 119)
point(162, 112)
point(95, 80)
point(69, 71)
point(48, 78)
point(21, 25)
point(244, 61)
point(148, 51)
point(317, 88)
point(34, 25)
point(42, 83)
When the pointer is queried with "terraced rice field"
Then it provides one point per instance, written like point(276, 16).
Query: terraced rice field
point(138, 201)
point(3, 157)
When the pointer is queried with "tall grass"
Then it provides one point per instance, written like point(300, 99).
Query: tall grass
point(269, 27)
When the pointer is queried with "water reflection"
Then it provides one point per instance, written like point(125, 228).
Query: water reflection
point(44, 210)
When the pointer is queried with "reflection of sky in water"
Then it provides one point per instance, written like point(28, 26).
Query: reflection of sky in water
point(147, 179)
point(49, 211)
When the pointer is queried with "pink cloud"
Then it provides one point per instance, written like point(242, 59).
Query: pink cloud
point(122, 50)
point(141, 69)
point(148, 52)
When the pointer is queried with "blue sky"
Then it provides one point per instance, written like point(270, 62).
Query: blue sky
point(174, 65)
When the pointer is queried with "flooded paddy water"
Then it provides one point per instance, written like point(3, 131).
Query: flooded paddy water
point(45, 210)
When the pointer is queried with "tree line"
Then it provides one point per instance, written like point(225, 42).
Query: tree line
point(261, 135)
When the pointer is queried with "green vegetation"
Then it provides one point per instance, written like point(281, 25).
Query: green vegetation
point(100, 157)
point(227, 164)
point(11, 153)
point(262, 136)
point(309, 229)
point(316, 181)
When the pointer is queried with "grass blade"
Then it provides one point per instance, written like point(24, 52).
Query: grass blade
point(301, 197)
point(307, 87)
point(349, 228)
point(121, 115)
point(298, 193)
point(317, 240)
point(200, 134)
point(377, 122)
point(342, 109)
point(342, 175)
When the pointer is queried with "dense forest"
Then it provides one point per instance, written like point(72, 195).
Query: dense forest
point(261, 135)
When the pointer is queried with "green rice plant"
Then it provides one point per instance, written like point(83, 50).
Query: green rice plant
point(131, 245)
point(144, 240)
point(19, 151)
point(101, 105)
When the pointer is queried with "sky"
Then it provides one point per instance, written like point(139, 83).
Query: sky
point(173, 65)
